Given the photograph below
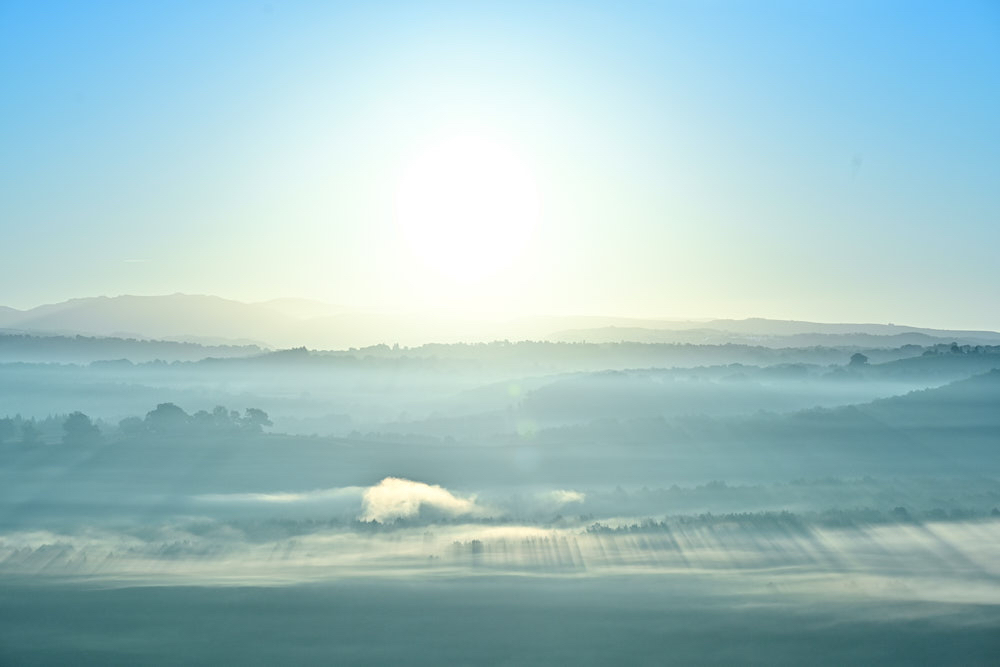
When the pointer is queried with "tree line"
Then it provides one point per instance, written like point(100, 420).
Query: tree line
point(167, 419)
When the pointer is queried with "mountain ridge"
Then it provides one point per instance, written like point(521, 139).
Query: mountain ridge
point(292, 322)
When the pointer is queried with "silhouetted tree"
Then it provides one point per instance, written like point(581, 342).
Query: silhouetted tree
point(80, 430)
point(167, 418)
point(30, 435)
point(7, 429)
point(222, 417)
point(858, 359)
point(219, 420)
point(204, 421)
point(255, 420)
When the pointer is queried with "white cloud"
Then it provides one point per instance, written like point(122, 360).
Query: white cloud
point(283, 498)
point(394, 498)
point(564, 496)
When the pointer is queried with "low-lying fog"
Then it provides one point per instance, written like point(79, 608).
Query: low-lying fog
point(853, 492)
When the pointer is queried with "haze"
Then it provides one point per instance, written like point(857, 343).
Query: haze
point(463, 333)
point(808, 161)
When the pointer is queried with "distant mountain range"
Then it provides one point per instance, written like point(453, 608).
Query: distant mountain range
point(780, 333)
point(212, 320)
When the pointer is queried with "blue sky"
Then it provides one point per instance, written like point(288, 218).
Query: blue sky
point(826, 161)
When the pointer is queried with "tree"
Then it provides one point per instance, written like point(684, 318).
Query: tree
point(222, 418)
point(167, 418)
point(80, 430)
point(858, 359)
point(255, 420)
point(7, 429)
point(30, 435)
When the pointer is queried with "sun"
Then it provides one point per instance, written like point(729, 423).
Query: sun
point(467, 207)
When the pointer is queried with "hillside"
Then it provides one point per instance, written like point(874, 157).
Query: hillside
point(86, 349)
point(296, 322)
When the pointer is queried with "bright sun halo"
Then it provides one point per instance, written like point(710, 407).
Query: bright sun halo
point(467, 207)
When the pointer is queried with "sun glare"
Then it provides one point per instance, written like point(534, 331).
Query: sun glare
point(466, 207)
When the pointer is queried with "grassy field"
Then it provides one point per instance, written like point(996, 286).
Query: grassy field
point(490, 621)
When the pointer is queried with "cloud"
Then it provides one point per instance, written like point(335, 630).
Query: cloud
point(283, 498)
point(564, 496)
point(391, 499)
point(394, 498)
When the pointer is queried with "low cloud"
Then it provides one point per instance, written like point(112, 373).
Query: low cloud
point(564, 496)
point(394, 498)
point(283, 498)
point(389, 500)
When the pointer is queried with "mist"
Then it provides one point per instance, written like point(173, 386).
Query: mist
point(839, 485)
point(525, 333)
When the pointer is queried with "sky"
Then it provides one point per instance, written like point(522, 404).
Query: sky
point(827, 161)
